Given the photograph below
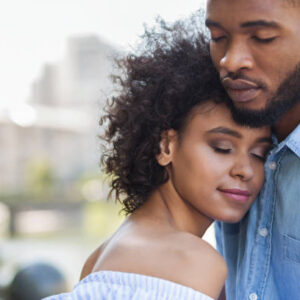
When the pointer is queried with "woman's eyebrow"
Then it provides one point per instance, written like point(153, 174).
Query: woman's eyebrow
point(225, 130)
point(266, 139)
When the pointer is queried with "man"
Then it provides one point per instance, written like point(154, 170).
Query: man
point(255, 46)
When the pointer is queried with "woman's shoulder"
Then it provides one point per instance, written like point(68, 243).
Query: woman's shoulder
point(202, 267)
point(91, 261)
point(179, 257)
point(198, 251)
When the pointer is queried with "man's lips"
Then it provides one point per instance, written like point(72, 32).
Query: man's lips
point(236, 194)
point(241, 90)
point(238, 84)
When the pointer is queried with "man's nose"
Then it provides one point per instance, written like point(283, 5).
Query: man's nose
point(237, 57)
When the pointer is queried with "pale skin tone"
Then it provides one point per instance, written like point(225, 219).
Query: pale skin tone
point(163, 237)
point(260, 40)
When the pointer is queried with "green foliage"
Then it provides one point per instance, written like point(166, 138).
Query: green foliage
point(101, 218)
point(40, 177)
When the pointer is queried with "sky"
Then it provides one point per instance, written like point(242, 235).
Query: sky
point(34, 32)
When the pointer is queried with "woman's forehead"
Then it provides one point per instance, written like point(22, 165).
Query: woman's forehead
point(210, 115)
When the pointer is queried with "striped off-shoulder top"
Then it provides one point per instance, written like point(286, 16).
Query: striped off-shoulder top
point(112, 285)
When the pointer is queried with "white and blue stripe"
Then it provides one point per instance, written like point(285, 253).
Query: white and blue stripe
point(111, 285)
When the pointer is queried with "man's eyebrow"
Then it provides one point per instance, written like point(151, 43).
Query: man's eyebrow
point(260, 23)
point(225, 130)
point(256, 23)
point(211, 23)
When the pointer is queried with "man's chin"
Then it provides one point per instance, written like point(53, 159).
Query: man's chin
point(251, 106)
point(259, 117)
point(253, 117)
point(266, 110)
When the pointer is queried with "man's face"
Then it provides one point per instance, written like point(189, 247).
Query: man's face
point(255, 45)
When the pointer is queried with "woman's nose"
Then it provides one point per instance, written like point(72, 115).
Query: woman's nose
point(243, 169)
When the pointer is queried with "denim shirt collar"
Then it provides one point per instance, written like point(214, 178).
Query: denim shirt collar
point(292, 141)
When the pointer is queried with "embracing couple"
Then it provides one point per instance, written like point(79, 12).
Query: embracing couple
point(204, 131)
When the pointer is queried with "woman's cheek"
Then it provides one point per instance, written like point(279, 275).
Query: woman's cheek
point(259, 176)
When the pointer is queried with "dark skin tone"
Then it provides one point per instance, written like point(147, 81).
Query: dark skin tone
point(287, 123)
point(260, 41)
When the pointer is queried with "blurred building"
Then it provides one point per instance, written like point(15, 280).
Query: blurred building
point(60, 123)
point(80, 79)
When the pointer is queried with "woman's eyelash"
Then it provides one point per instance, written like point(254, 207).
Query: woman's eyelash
point(226, 151)
point(222, 150)
point(262, 158)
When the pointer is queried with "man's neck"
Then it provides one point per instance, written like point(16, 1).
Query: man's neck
point(287, 123)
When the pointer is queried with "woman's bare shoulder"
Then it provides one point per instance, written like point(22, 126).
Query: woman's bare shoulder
point(91, 261)
point(179, 257)
point(193, 262)
point(203, 268)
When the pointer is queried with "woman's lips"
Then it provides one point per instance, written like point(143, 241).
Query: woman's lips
point(238, 195)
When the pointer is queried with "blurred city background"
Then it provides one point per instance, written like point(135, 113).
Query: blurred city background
point(56, 57)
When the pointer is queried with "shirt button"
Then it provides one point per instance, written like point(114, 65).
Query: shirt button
point(272, 165)
point(253, 296)
point(263, 232)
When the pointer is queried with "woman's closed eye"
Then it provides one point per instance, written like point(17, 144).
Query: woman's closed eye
point(222, 150)
point(260, 153)
point(260, 157)
point(221, 146)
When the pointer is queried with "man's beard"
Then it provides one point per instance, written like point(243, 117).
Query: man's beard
point(287, 95)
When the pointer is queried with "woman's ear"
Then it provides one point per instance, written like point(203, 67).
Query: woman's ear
point(167, 147)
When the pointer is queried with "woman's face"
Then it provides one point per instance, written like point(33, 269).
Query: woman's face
point(217, 166)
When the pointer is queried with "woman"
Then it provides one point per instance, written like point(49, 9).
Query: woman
point(178, 162)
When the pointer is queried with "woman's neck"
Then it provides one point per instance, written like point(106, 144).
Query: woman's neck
point(165, 205)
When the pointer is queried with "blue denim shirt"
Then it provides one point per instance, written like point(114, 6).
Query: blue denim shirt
point(263, 250)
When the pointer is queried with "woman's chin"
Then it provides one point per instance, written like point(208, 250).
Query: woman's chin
point(231, 217)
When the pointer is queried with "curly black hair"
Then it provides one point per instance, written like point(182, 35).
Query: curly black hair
point(168, 75)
